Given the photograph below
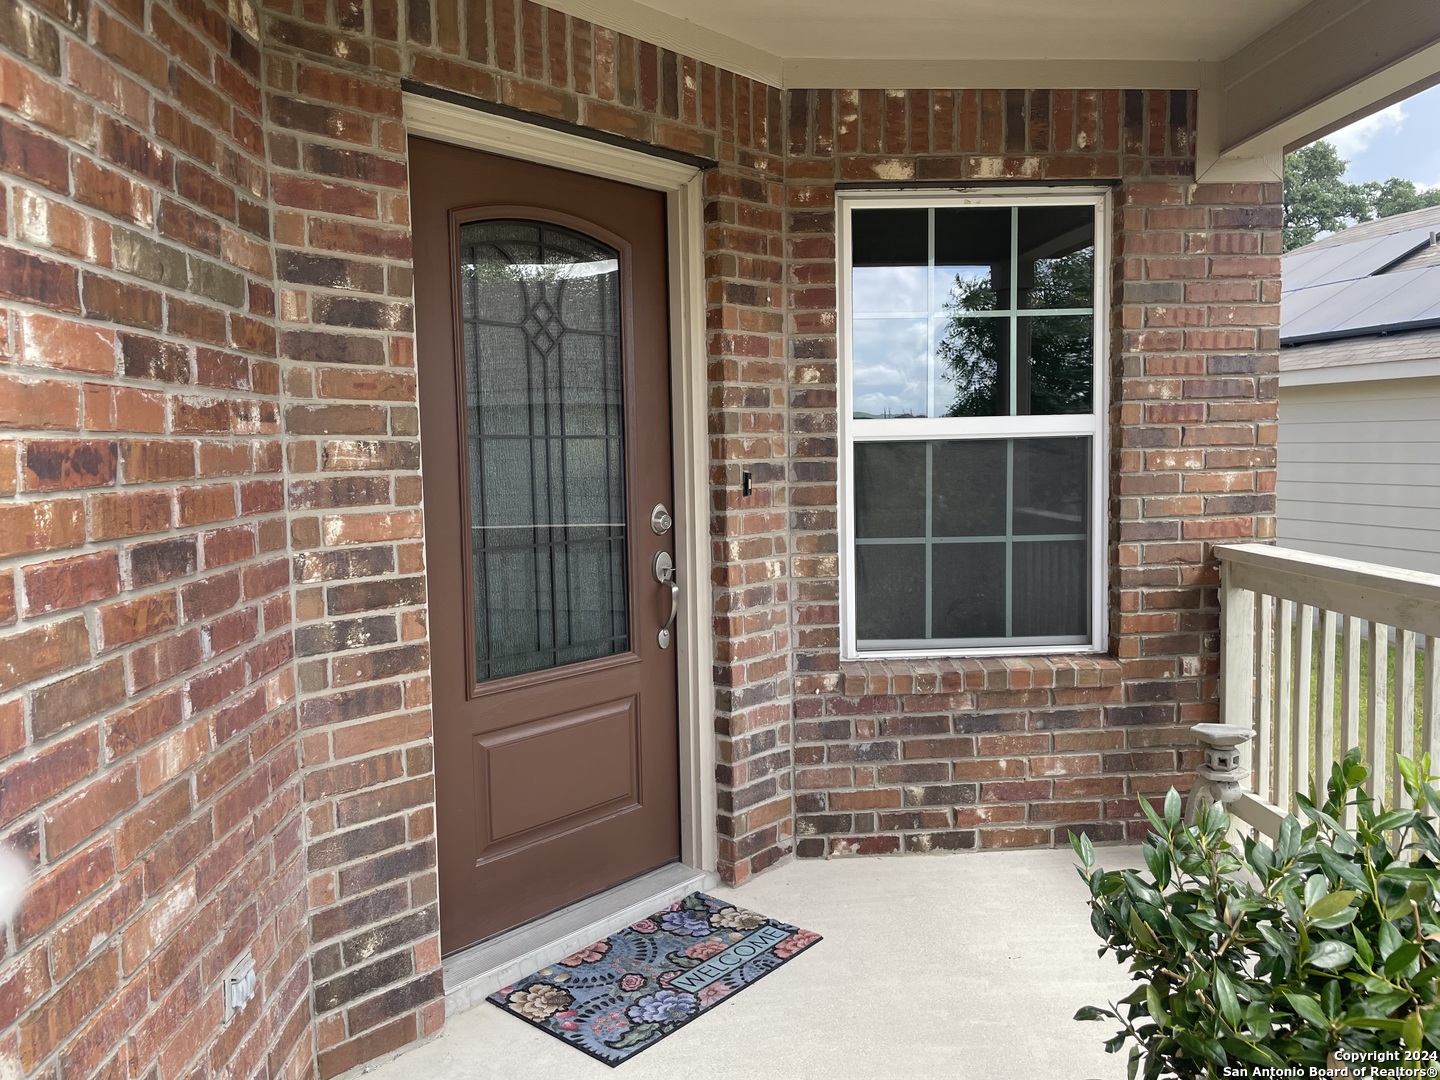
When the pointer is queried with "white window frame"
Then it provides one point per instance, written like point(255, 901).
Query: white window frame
point(1093, 424)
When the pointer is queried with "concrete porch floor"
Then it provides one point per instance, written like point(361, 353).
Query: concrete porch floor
point(962, 967)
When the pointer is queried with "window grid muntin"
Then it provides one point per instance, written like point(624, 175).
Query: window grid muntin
point(551, 542)
point(1009, 538)
point(1012, 313)
point(928, 429)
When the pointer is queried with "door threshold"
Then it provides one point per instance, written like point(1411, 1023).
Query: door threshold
point(473, 974)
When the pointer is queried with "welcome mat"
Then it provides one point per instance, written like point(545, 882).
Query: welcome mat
point(619, 996)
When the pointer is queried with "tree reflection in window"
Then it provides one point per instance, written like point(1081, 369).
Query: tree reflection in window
point(1055, 353)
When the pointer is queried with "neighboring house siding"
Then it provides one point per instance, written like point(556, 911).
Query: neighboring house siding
point(214, 678)
point(1359, 471)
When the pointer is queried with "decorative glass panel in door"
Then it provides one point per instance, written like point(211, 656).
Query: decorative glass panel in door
point(540, 330)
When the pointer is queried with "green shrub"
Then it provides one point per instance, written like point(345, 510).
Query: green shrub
point(1258, 955)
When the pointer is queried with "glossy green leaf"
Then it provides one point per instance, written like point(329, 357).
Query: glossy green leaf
point(1151, 816)
point(1140, 932)
point(1158, 861)
point(1401, 958)
point(1288, 842)
point(1362, 947)
point(1308, 1009)
point(1203, 920)
point(1408, 772)
point(1329, 905)
point(1100, 924)
point(1376, 1023)
point(1394, 819)
point(1172, 808)
point(1141, 891)
point(1294, 907)
point(1093, 1012)
point(1414, 1031)
point(1390, 939)
point(1329, 955)
point(1377, 1002)
point(1337, 921)
point(1206, 1049)
point(1226, 998)
point(1155, 1005)
point(1260, 856)
point(1345, 870)
point(1330, 998)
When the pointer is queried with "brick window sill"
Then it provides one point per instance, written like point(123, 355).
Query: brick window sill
point(953, 675)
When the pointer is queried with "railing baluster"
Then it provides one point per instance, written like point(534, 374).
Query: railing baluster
point(1350, 693)
point(1304, 643)
point(1404, 739)
point(1284, 672)
point(1325, 720)
point(1237, 653)
point(1376, 754)
point(1430, 714)
point(1363, 691)
point(1264, 682)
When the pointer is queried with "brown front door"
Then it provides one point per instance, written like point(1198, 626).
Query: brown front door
point(540, 300)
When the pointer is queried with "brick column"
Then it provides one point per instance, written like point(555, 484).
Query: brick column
point(337, 148)
point(1194, 398)
point(744, 269)
point(750, 574)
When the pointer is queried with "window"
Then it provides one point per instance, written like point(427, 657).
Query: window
point(972, 397)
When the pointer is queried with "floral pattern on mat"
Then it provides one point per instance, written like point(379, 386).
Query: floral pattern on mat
point(616, 997)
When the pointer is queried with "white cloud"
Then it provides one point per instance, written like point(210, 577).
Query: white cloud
point(1354, 140)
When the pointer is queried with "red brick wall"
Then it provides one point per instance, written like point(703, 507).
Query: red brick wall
point(214, 722)
point(149, 763)
point(342, 249)
point(914, 756)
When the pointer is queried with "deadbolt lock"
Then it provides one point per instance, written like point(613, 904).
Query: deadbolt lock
point(660, 519)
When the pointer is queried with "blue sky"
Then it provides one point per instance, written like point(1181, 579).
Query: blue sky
point(1403, 140)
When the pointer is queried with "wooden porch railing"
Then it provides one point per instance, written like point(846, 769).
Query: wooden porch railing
point(1317, 655)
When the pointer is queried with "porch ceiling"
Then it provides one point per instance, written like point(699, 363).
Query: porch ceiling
point(984, 29)
point(1270, 73)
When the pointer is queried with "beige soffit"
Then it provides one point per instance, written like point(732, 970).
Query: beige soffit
point(1326, 65)
point(942, 43)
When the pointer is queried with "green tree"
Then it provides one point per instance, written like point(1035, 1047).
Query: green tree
point(1397, 196)
point(1317, 198)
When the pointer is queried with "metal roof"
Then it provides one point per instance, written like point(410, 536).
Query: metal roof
point(1375, 278)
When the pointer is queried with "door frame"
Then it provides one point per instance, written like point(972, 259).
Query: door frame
point(449, 122)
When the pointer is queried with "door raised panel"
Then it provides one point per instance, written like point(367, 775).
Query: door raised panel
point(589, 760)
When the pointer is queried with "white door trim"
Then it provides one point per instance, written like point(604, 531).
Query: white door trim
point(681, 183)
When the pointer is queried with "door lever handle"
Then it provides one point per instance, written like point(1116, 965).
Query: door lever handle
point(664, 570)
point(664, 636)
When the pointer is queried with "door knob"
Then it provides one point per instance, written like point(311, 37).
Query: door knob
point(664, 569)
